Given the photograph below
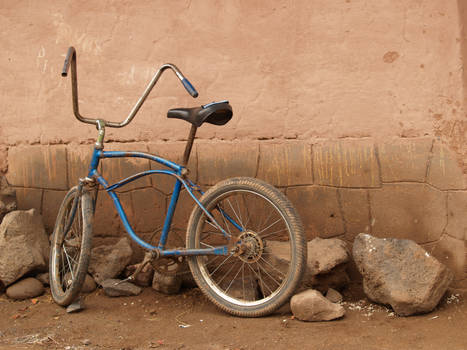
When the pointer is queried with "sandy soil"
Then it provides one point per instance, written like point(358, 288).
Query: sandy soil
point(189, 321)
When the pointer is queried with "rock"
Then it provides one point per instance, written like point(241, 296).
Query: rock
point(310, 305)
point(117, 288)
point(25, 289)
point(7, 198)
point(325, 254)
point(166, 283)
point(334, 296)
point(109, 261)
point(24, 245)
point(400, 273)
point(142, 279)
point(89, 285)
point(321, 272)
point(337, 279)
point(44, 278)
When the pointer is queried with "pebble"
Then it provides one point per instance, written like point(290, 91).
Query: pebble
point(25, 289)
point(334, 296)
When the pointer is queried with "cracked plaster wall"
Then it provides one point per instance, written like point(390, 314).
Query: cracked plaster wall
point(364, 99)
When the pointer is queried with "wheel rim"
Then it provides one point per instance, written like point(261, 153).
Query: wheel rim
point(66, 255)
point(251, 275)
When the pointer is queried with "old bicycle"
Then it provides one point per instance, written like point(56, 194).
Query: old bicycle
point(244, 241)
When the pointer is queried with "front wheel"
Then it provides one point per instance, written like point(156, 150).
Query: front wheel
point(71, 246)
point(267, 251)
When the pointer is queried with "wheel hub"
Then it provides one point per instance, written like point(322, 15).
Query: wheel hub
point(250, 247)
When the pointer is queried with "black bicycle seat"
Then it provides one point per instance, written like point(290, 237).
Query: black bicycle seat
point(217, 113)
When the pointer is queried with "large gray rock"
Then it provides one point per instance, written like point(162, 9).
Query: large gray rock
point(109, 261)
point(25, 289)
point(7, 198)
point(310, 305)
point(24, 245)
point(400, 273)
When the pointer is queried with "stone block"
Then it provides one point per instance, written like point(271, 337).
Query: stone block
point(28, 198)
point(185, 206)
point(38, 167)
point(79, 158)
point(149, 209)
point(106, 220)
point(452, 253)
point(444, 171)
point(410, 211)
point(319, 209)
point(50, 205)
point(116, 169)
point(404, 159)
point(347, 163)
point(286, 164)
point(457, 218)
point(220, 161)
point(356, 210)
point(173, 152)
point(3, 159)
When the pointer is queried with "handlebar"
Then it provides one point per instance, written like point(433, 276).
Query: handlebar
point(71, 60)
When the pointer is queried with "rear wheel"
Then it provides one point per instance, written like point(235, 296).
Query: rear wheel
point(70, 250)
point(267, 254)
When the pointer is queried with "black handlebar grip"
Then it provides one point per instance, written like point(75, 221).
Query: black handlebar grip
point(66, 64)
point(190, 88)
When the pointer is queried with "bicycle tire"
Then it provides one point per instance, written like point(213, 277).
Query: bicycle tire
point(70, 258)
point(257, 253)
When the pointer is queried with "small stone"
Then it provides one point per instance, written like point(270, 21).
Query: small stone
point(89, 285)
point(25, 289)
point(165, 283)
point(116, 288)
point(75, 306)
point(44, 278)
point(310, 305)
point(334, 296)
point(86, 342)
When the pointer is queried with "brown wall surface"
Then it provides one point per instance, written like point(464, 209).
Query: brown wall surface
point(365, 100)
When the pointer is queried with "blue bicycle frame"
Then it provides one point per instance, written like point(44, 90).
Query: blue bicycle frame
point(174, 170)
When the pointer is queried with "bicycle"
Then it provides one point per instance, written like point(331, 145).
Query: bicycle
point(245, 244)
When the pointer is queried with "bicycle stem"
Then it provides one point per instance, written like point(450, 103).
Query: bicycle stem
point(71, 60)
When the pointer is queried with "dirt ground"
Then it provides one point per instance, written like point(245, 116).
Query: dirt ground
point(189, 321)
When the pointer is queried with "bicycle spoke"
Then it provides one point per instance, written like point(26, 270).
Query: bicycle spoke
point(259, 267)
point(275, 222)
point(218, 266)
point(267, 262)
point(225, 274)
point(272, 233)
point(233, 279)
point(238, 218)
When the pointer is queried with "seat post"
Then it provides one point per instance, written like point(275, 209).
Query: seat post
point(189, 145)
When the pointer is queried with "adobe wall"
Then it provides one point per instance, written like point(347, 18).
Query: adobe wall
point(355, 109)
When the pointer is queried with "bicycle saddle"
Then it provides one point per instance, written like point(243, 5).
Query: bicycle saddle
point(217, 113)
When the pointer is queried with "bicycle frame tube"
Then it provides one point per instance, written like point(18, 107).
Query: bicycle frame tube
point(174, 170)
